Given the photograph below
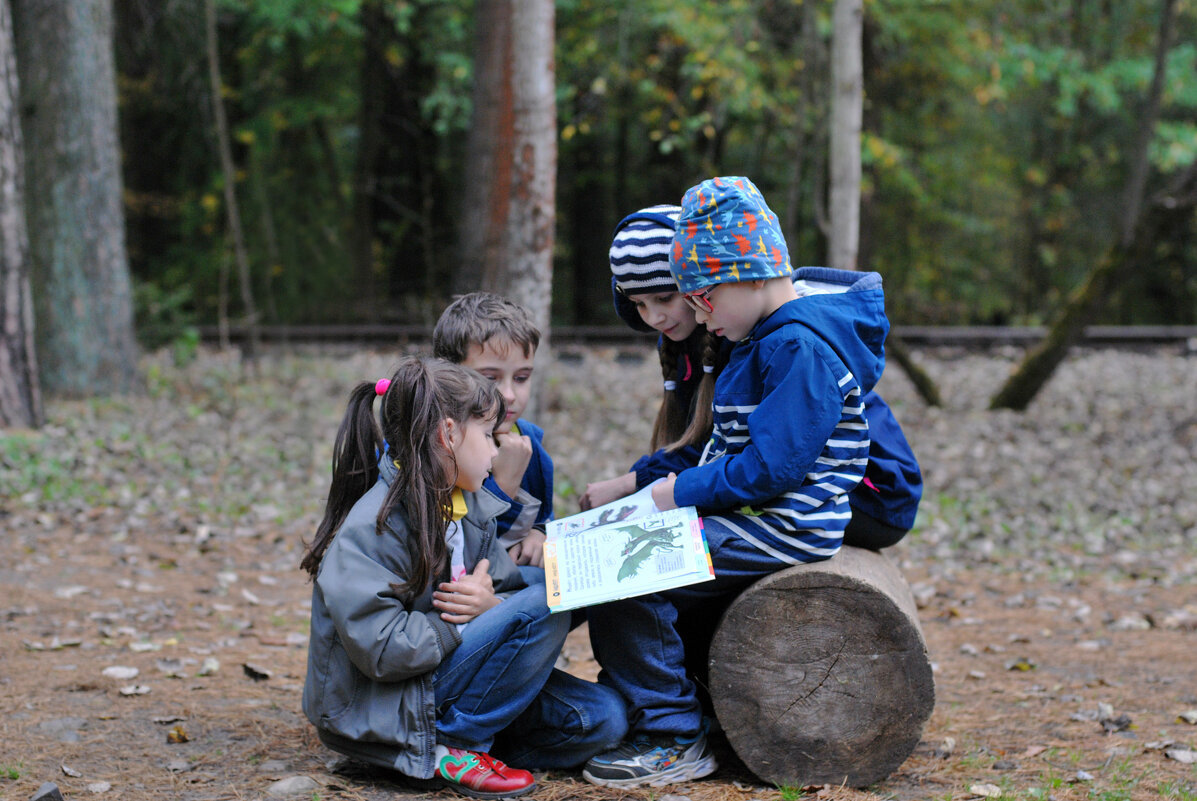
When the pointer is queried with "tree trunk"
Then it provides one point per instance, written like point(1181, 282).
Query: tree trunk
point(511, 159)
point(372, 80)
point(81, 287)
point(819, 673)
point(847, 103)
point(923, 384)
point(507, 230)
point(232, 211)
point(20, 392)
point(1082, 305)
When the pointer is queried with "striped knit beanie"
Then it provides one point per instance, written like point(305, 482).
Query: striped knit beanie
point(726, 233)
point(640, 259)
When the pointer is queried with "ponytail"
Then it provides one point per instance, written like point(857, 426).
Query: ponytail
point(671, 415)
point(422, 394)
point(699, 431)
point(354, 470)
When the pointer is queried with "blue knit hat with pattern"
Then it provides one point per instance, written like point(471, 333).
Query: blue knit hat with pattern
point(726, 233)
point(640, 259)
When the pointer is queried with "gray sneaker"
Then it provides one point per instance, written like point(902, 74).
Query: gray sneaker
point(652, 761)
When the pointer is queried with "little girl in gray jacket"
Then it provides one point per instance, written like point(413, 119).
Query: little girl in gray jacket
point(428, 653)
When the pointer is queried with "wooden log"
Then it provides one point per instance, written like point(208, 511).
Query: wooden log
point(819, 673)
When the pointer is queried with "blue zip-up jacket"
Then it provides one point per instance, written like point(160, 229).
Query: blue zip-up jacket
point(537, 482)
point(893, 483)
point(790, 437)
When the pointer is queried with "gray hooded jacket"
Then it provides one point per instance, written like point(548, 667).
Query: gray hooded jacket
point(369, 690)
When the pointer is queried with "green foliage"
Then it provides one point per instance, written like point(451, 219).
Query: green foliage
point(165, 317)
point(996, 138)
point(26, 469)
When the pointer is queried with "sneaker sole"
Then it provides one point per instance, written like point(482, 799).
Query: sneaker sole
point(466, 791)
point(675, 775)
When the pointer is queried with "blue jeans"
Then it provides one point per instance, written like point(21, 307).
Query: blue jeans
point(637, 643)
point(498, 692)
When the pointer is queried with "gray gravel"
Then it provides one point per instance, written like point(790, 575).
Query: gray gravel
point(1097, 475)
point(1100, 473)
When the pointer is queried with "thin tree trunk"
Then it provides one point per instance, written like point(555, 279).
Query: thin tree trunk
point(847, 104)
point(20, 392)
point(1084, 302)
point(369, 148)
point(507, 233)
point(232, 212)
point(82, 293)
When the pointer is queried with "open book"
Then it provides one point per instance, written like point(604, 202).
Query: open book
point(623, 549)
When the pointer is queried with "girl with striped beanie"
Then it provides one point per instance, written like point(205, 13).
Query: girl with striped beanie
point(647, 299)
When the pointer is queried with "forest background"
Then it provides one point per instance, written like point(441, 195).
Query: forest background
point(359, 161)
point(995, 142)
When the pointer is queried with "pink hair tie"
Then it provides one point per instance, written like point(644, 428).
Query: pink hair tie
point(381, 387)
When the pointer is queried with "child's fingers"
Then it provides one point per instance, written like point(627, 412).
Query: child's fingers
point(482, 568)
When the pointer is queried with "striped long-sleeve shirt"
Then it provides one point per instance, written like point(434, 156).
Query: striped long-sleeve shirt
point(790, 437)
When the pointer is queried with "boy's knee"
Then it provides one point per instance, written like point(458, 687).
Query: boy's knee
point(611, 717)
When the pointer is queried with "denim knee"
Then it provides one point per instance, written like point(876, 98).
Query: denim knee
point(610, 718)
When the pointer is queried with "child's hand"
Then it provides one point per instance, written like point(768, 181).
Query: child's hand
point(663, 493)
point(515, 452)
point(600, 492)
point(529, 550)
point(463, 600)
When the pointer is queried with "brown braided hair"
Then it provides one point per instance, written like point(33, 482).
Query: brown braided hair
point(701, 423)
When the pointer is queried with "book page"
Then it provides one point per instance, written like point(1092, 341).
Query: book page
point(631, 556)
point(635, 505)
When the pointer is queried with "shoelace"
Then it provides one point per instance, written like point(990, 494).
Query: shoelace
point(487, 761)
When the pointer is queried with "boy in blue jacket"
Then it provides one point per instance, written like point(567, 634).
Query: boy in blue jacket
point(790, 442)
point(646, 297)
point(497, 337)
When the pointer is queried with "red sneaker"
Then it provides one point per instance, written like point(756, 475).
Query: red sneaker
point(480, 775)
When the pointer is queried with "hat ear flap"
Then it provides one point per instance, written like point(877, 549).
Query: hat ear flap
point(626, 309)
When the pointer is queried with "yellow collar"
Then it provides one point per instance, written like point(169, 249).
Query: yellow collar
point(459, 504)
point(457, 500)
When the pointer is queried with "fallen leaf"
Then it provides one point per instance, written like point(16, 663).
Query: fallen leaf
point(99, 787)
point(177, 735)
point(1033, 750)
point(985, 790)
point(1182, 755)
point(1189, 717)
point(256, 673)
point(119, 672)
point(171, 667)
point(68, 771)
point(946, 748)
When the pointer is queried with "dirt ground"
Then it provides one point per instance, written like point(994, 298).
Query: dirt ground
point(146, 654)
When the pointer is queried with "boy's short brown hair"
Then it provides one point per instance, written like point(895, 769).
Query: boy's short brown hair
point(478, 317)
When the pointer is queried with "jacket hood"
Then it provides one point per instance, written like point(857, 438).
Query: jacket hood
point(844, 308)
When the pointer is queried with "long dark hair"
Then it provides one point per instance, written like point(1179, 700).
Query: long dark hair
point(696, 421)
point(423, 393)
